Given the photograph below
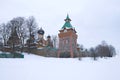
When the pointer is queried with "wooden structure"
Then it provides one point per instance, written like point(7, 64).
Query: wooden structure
point(14, 40)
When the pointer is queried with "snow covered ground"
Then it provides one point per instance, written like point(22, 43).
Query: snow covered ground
point(34, 67)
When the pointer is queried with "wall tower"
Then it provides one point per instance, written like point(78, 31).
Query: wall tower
point(67, 40)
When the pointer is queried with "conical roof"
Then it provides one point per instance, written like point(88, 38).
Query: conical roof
point(13, 38)
point(67, 23)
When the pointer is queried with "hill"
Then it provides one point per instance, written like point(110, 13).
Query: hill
point(34, 67)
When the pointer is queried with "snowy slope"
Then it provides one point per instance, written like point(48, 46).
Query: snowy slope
point(34, 67)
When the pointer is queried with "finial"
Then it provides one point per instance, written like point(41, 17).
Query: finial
point(41, 28)
point(67, 18)
point(67, 15)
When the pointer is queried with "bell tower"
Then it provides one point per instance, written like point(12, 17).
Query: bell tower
point(67, 40)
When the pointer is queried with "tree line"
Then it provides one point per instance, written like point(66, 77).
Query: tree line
point(101, 50)
point(26, 27)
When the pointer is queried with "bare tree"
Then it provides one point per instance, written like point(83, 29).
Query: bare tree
point(105, 50)
point(54, 39)
point(21, 27)
point(5, 32)
point(112, 51)
point(93, 53)
point(31, 26)
point(15, 28)
point(19, 23)
point(23, 35)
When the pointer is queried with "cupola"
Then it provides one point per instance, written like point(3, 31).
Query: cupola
point(41, 31)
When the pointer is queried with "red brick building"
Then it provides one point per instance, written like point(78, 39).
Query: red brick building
point(67, 40)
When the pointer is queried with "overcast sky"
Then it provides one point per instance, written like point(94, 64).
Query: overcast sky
point(94, 20)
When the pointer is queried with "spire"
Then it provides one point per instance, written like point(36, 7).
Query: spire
point(67, 18)
point(67, 23)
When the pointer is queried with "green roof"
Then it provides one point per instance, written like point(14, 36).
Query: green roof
point(67, 23)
